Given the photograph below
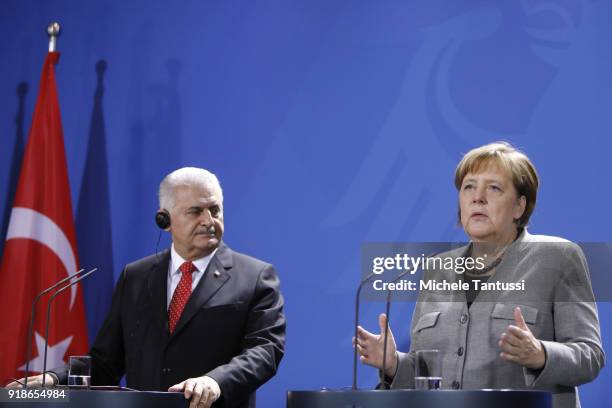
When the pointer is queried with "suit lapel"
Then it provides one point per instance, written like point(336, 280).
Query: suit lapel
point(215, 276)
point(158, 282)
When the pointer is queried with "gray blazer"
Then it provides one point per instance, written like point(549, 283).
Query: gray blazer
point(558, 306)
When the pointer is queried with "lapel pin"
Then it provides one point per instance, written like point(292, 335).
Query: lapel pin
point(217, 274)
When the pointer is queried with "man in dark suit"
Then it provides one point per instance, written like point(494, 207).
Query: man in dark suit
point(198, 318)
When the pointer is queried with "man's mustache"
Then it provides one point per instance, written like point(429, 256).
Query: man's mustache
point(206, 231)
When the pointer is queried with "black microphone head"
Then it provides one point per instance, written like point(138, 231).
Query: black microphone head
point(162, 219)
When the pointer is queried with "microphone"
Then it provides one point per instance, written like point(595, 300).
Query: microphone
point(386, 335)
point(361, 283)
point(32, 315)
point(57, 292)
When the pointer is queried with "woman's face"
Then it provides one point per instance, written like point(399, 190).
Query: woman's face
point(489, 204)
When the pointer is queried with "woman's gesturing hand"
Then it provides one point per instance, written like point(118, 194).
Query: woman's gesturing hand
point(370, 347)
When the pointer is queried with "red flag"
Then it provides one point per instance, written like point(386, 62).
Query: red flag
point(40, 247)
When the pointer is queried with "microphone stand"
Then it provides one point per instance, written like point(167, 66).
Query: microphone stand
point(32, 316)
point(386, 334)
point(361, 283)
point(51, 299)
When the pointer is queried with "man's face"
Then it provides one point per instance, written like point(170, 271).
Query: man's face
point(196, 221)
point(489, 206)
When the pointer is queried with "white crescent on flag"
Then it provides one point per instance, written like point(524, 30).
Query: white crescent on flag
point(26, 223)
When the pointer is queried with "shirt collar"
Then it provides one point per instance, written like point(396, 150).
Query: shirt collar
point(201, 263)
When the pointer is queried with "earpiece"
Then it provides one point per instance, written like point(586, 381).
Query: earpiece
point(162, 219)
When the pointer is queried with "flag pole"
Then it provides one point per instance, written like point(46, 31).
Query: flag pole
point(53, 30)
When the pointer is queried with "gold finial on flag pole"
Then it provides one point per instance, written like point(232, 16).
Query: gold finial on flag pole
point(53, 30)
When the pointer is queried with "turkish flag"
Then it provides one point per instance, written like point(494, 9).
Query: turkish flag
point(40, 247)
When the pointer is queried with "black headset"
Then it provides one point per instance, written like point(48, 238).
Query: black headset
point(162, 219)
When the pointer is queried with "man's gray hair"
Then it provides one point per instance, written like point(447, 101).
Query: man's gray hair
point(187, 176)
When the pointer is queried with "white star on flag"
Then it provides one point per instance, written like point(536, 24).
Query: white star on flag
point(55, 354)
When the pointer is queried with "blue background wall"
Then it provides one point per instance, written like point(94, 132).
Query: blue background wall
point(329, 123)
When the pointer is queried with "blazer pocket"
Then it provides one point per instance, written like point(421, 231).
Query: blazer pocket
point(506, 311)
point(228, 307)
point(426, 321)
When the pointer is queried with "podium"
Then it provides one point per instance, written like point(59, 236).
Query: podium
point(419, 398)
point(105, 399)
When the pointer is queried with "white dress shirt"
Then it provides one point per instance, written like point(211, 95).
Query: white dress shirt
point(174, 274)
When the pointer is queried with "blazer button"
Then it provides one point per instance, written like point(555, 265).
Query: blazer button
point(455, 385)
point(464, 318)
point(460, 351)
point(166, 371)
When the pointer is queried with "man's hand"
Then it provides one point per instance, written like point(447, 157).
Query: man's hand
point(35, 381)
point(520, 346)
point(203, 391)
point(370, 347)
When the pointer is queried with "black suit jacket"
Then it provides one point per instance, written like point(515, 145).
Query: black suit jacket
point(232, 328)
